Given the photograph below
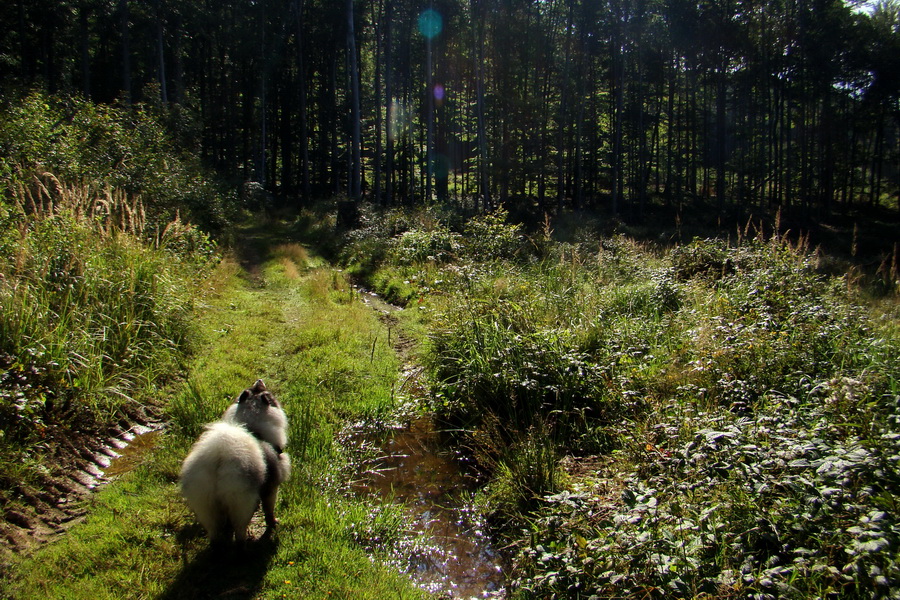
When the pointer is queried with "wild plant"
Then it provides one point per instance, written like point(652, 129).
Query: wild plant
point(438, 245)
point(524, 465)
point(786, 503)
point(88, 314)
point(491, 237)
point(742, 397)
point(97, 153)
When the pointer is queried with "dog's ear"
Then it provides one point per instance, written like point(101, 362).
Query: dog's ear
point(244, 395)
point(258, 387)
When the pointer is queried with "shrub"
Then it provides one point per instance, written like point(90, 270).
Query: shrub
point(489, 237)
point(104, 148)
point(709, 257)
point(438, 245)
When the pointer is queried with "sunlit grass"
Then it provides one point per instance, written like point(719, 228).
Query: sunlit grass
point(326, 358)
point(93, 317)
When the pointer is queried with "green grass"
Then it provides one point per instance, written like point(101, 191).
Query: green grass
point(709, 420)
point(327, 359)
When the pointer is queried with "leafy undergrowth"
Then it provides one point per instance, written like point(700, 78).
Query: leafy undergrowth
point(708, 420)
point(296, 324)
point(100, 154)
point(793, 501)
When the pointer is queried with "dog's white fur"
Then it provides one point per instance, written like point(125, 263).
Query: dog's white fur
point(237, 462)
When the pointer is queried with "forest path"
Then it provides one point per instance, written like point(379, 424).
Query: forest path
point(77, 452)
point(269, 311)
point(416, 466)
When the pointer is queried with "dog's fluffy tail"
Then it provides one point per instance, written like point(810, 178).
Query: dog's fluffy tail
point(221, 479)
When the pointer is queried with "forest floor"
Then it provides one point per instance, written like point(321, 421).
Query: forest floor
point(744, 412)
point(714, 418)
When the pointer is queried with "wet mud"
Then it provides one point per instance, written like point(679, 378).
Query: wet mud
point(78, 462)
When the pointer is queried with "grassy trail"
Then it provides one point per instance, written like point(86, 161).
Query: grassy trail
point(279, 315)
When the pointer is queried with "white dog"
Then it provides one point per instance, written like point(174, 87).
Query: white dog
point(238, 462)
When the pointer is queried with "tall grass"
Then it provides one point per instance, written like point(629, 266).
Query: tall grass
point(327, 359)
point(89, 312)
point(560, 338)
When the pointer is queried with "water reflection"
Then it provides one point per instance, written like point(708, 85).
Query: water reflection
point(415, 468)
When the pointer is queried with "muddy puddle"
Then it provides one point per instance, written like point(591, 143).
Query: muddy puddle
point(414, 465)
point(415, 468)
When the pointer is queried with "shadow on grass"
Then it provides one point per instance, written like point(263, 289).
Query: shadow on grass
point(218, 572)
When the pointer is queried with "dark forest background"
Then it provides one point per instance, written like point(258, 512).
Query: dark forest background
point(734, 106)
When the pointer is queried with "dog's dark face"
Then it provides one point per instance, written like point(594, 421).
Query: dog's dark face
point(258, 397)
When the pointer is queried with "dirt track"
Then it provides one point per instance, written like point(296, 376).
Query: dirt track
point(75, 458)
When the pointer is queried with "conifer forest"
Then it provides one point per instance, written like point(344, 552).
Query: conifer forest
point(738, 106)
point(560, 299)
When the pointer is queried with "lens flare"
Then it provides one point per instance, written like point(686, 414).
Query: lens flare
point(399, 120)
point(430, 23)
point(438, 92)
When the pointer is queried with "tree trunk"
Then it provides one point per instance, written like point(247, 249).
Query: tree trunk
point(478, 33)
point(124, 32)
point(305, 189)
point(721, 133)
point(160, 53)
point(379, 19)
point(617, 111)
point(389, 104)
point(355, 183)
point(178, 62)
point(263, 106)
point(84, 39)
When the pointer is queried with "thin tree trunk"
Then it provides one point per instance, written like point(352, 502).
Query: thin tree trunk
point(877, 161)
point(124, 31)
point(389, 103)
point(617, 110)
point(721, 141)
point(84, 33)
point(305, 184)
point(160, 53)
point(562, 120)
point(355, 183)
point(178, 63)
point(379, 19)
point(429, 104)
point(483, 164)
point(287, 136)
point(263, 107)
point(26, 56)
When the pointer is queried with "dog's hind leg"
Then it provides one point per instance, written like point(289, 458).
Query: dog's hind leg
point(268, 504)
point(240, 512)
point(278, 469)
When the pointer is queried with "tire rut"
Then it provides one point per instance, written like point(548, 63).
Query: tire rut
point(38, 511)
